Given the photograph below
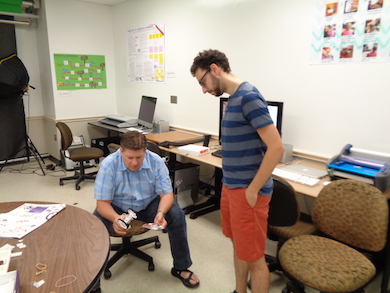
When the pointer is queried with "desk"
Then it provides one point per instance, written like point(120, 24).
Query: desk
point(307, 190)
point(74, 242)
point(213, 203)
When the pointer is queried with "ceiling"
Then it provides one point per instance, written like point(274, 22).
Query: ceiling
point(106, 2)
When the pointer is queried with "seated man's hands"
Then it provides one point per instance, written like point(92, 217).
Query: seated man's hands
point(119, 230)
point(160, 220)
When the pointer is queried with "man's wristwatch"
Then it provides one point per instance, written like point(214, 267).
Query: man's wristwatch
point(162, 212)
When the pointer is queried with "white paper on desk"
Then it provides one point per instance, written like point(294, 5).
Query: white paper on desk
point(26, 218)
point(193, 149)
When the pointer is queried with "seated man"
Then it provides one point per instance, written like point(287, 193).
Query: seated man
point(136, 178)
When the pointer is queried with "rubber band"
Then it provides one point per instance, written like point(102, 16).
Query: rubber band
point(41, 266)
point(41, 272)
point(63, 285)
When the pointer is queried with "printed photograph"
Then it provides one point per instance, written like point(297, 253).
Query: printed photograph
point(327, 53)
point(351, 6)
point(372, 26)
point(331, 9)
point(370, 50)
point(346, 52)
point(375, 4)
point(348, 29)
point(330, 31)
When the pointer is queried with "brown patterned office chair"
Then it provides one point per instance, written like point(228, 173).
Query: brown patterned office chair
point(131, 247)
point(354, 218)
point(81, 155)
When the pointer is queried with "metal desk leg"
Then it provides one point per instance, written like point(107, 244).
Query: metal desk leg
point(213, 203)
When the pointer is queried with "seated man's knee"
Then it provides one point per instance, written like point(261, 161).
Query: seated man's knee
point(175, 213)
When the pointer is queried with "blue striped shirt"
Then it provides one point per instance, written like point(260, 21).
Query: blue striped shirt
point(132, 190)
point(242, 148)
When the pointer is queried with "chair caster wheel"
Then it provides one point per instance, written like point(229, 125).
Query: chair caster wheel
point(286, 290)
point(61, 183)
point(151, 267)
point(77, 187)
point(107, 274)
point(157, 245)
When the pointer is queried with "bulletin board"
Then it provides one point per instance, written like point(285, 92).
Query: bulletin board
point(76, 72)
point(351, 31)
point(146, 53)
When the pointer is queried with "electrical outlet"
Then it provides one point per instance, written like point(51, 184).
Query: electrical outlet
point(173, 99)
point(55, 137)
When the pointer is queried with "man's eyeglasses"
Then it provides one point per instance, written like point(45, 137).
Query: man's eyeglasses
point(201, 79)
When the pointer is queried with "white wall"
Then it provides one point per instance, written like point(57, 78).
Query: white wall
point(76, 27)
point(27, 47)
point(268, 44)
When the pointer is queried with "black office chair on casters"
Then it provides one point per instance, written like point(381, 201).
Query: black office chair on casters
point(129, 247)
point(81, 155)
point(284, 220)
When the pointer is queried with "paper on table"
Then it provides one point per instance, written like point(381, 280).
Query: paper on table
point(26, 218)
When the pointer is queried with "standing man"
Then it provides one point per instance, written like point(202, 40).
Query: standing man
point(251, 148)
point(136, 178)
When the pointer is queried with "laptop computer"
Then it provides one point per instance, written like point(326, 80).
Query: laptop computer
point(306, 171)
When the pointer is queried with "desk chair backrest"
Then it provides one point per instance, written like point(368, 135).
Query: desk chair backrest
point(66, 135)
point(113, 147)
point(152, 146)
point(283, 208)
point(353, 212)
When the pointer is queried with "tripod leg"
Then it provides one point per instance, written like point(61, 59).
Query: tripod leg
point(34, 151)
point(32, 146)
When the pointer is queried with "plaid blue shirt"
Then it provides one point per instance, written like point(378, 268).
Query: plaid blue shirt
point(132, 190)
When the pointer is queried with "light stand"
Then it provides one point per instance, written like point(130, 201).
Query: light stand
point(29, 146)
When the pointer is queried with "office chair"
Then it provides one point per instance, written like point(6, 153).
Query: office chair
point(353, 217)
point(113, 147)
point(81, 155)
point(283, 219)
point(152, 146)
point(131, 247)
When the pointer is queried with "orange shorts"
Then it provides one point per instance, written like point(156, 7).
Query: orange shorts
point(246, 226)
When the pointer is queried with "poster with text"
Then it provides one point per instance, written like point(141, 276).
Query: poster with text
point(146, 53)
point(76, 72)
point(351, 31)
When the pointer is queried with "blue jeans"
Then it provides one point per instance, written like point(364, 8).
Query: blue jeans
point(176, 228)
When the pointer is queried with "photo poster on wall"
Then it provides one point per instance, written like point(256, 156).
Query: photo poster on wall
point(351, 31)
point(146, 53)
point(77, 72)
